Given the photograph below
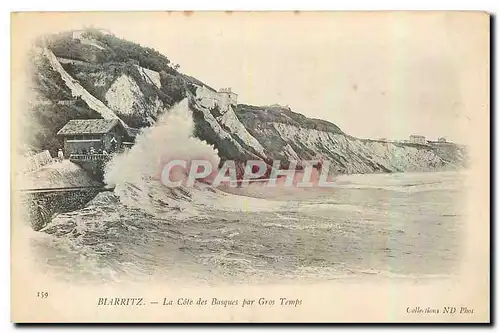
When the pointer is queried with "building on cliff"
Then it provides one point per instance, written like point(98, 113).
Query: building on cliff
point(226, 97)
point(100, 134)
point(417, 139)
point(440, 141)
point(222, 99)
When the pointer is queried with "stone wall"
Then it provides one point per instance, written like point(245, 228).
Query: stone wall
point(43, 206)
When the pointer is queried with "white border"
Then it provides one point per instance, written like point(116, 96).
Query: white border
point(60, 5)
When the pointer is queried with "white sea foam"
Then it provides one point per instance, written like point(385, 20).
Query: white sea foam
point(136, 173)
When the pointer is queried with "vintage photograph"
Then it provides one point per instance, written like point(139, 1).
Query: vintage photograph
point(232, 148)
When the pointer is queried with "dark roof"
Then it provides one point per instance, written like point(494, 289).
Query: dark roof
point(88, 126)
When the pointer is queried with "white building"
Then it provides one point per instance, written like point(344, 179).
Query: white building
point(226, 97)
point(418, 139)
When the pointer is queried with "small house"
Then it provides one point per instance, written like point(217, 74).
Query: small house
point(418, 139)
point(100, 134)
point(226, 97)
point(442, 140)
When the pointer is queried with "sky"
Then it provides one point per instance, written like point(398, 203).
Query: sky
point(390, 74)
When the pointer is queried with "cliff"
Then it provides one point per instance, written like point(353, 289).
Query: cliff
point(98, 75)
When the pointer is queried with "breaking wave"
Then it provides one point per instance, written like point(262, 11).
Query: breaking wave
point(136, 174)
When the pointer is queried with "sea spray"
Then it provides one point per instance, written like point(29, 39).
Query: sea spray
point(136, 173)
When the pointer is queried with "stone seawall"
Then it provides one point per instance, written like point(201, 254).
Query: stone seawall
point(42, 206)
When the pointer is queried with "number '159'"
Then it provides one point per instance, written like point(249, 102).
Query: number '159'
point(42, 294)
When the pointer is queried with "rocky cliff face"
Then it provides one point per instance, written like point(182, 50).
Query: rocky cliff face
point(93, 74)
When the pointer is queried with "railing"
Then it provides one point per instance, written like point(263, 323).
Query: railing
point(89, 157)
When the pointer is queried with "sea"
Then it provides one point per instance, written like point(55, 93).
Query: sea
point(404, 225)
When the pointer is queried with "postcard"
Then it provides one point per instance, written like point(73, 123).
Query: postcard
point(250, 167)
